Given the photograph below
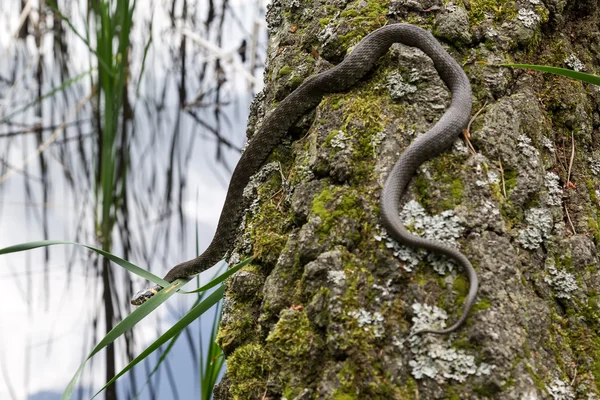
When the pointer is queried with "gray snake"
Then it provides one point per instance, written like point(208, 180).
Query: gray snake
point(308, 95)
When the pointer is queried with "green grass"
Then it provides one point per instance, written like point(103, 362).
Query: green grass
point(580, 76)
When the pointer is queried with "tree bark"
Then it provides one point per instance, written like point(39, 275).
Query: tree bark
point(327, 307)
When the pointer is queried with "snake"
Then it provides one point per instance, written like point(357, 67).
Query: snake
point(307, 96)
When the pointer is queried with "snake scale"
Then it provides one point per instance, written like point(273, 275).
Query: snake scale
point(308, 95)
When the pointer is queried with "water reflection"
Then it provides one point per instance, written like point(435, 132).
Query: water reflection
point(191, 72)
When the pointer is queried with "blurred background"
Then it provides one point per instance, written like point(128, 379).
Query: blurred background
point(120, 124)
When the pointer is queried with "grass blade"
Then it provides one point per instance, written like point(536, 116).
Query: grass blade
point(179, 326)
point(117, 260)
point(129, 322)
point(580, 76)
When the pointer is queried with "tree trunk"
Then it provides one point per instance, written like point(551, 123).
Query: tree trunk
point(327, 307)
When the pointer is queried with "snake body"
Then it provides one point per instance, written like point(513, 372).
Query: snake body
point(308, 95)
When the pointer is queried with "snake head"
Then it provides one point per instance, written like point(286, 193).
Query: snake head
point(144, 294)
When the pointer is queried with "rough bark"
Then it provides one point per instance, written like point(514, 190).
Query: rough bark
point(326, 309)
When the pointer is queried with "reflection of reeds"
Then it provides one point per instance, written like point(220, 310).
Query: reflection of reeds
point(111, 172)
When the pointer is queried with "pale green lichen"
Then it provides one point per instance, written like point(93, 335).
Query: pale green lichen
point(563, 282)
point(433, 355)
point(443, 227)
point(540, 224)
point(555, 192)
point(560, 390)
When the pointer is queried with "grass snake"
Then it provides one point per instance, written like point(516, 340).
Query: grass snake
point(308, 95)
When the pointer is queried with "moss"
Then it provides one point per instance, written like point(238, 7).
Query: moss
point(510, 179)
point(363, 118)
point(461, 286)
point(239, 329)
point(358, 383)
point(363, 17)
point(294, 349)
point(296, 81)
point(464, 344)
point(333, 205)
point(285, 70)
point(500, 10)
point(449, 189)
point(267, 229)
point(456, 191)
point(423, 192)
point(337, 395)
point(268, 246)
point(539, 383)
point(247, 369)
point(335, 101)
point(324, 21)
point(483, 304)
point(292, 336)
point(411, 387)
point(349, 13)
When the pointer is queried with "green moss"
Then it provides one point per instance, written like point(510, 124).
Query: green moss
point(464, 344)
point(324, 21)
point(501, 10)
point(296, 81)
point(461, 286)
point(337, 395)
point(334, 204)
point(285, 70)
point(336, 101)
point(362, 120)
point(456, 191)
point(422, 189)
point(539, 383)
point(510, 179)
point(247, 369)
point(449, 190)
point(349, 13)
point(483, 304)
point(294, 349)
point(268, 246)
point(239, 329)
point(364, 17)
point(292, 336)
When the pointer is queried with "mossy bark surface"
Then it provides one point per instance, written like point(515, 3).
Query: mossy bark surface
point(326, 309)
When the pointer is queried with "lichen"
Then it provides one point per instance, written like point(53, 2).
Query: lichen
point(594, 162)
point(398, 88)
point(525, 146)
point(560, 390)
point(528, 17)
point(443, 227)
point(574, 63)
point(339, 140)
point(433, 355)
point(555, 192)
point(563, 282)
point(368, 320)
point(540, 224)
